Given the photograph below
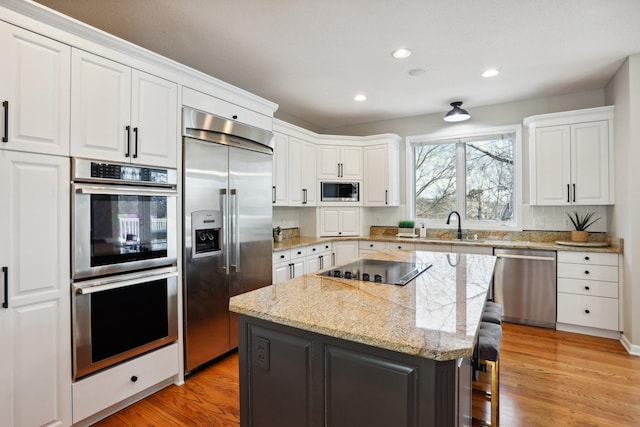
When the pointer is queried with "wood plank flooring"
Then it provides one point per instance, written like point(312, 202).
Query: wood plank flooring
point(547, 378)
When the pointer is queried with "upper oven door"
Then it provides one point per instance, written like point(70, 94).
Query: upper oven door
point(120, 228)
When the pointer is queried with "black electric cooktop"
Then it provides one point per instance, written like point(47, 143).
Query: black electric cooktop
point(373, 270)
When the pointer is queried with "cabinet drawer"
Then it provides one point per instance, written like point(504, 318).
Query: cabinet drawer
point(588, 287)
point(467, 249)
point(594, 312)
point(605, 273)
point(97, 392)
point(298, 252)
point(400, 245)
point(433, 247)
point(588, 258)
point(372, 246)
point(281, 256)
point(318, 249)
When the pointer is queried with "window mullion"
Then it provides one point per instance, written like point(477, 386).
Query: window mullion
point(461, 181)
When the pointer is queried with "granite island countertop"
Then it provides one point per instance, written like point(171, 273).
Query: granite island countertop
point(435, 316)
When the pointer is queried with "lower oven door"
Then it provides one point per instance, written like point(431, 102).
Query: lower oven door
point(117, 318)
point(117, 229)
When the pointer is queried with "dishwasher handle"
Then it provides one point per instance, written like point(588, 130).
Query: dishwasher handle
point(532, 257)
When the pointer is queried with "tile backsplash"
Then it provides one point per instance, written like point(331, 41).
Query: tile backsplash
point(554, 218)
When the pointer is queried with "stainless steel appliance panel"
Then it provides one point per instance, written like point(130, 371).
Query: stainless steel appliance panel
point(206, 283)
point(250, 231)
point(525, 283)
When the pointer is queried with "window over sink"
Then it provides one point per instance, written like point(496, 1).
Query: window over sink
point(475, 172)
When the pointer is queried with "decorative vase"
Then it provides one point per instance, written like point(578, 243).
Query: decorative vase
point(579, 236)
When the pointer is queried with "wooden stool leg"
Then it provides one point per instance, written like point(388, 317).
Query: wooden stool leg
point(495, 392)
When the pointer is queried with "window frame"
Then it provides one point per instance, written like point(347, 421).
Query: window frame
point(456, 136)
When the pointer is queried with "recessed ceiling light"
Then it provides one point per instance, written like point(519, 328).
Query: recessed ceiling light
point(491, 72)
point(416, 72)
point(360, 98)
point(401, 53)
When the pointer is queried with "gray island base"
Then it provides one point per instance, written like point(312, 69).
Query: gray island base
point(321, 351)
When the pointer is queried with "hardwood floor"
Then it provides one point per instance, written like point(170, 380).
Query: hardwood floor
point(547, 378)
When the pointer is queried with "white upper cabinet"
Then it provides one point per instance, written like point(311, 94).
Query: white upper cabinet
point(339, 221)
point(34, 91)
point(280, 194)
point(381, 174)
point(294, 166)
point(340, 162)
point(120, 114)
point(302, 173)
point(571, 157)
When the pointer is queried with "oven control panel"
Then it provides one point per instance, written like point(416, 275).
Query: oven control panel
point(92, 171)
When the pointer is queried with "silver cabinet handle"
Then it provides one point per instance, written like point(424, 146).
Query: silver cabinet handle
point(386, 197)
point(5, 136)
point(273, 194)
point(304, 196)
point(321, 262)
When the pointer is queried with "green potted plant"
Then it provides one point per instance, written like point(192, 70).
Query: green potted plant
point(581, 223)
point(406, 227)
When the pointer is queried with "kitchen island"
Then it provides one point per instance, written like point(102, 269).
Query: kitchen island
point(320, 350)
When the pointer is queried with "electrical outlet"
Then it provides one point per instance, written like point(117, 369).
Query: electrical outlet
point(261, 356)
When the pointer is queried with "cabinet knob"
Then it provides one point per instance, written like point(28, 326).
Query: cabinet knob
point(299, 253)
point(281, 256)
point(339, 232)
point(587, 311)
point(235, 117)
point(586, 272)
point(313, 250)
point(134, 379)
point(586, 287)
point(371, 245)
point(399, 247)
point(586, 258)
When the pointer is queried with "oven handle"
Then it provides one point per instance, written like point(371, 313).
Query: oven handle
point(100, 285)
point(123, 191)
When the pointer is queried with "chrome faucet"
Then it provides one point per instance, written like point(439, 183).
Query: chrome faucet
point(449, 220)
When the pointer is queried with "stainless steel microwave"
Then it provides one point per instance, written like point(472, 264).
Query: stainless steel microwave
point(339, 191)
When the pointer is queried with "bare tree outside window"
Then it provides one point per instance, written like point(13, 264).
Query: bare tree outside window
point(487, 191)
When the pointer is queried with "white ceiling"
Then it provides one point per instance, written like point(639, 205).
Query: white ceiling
point(312, 56)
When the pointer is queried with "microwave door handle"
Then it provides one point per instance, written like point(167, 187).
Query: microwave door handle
point(123, 191)
point(235, 228)
point(225, 235)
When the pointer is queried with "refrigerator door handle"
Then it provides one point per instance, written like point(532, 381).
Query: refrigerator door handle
point(235, 229)
point(225, 226)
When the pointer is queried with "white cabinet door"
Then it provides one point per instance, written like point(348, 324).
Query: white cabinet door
point(35, 79)
point(381, 175)
point(100, 108)
point(328, 162)
point(35, 348)
point(590, 163)
point(280, 196)
point(351, 161)
point(312, 264)
point(302, 173)
point(339, 221)
point(345, 251)
point(553, 165)
point(340, 162)
point(154, 120)
point(297, 268)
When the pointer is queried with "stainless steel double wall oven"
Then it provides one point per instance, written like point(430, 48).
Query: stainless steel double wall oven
point(123, 262)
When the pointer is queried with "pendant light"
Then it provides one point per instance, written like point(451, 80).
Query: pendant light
point(456, 114)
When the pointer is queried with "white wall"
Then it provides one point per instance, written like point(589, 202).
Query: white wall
point(624, 91)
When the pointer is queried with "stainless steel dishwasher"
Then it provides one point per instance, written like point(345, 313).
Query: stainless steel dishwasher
point(525, 284)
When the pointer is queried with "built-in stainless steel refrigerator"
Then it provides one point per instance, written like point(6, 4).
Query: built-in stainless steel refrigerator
point(227, 227)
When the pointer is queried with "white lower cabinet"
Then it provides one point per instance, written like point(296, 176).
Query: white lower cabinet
point(104, 389)
point(318, 257)
point(588, 291)
point(402, 246)
point(344, 251)
point(288, 264)
point(368, 247)
point(35, 312)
